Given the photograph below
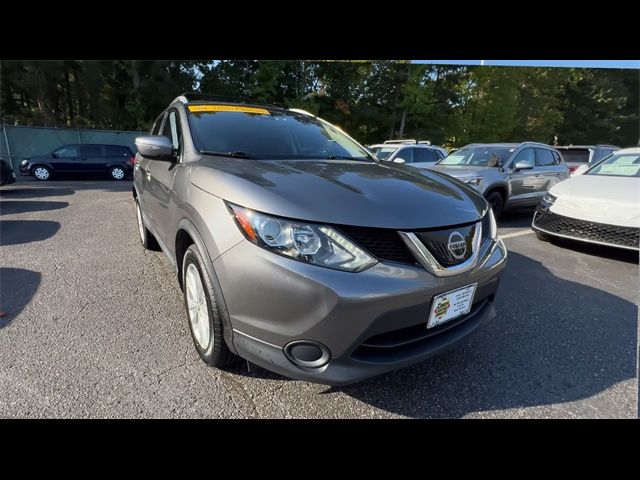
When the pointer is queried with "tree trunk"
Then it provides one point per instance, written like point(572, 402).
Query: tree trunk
point(402, 122)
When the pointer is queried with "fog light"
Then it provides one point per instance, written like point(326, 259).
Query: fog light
point(307, 354)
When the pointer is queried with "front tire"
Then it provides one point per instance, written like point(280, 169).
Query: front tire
point(496, 202)
point(146, 237)
point(117, 173)
point(41, 173)
point(203, 311)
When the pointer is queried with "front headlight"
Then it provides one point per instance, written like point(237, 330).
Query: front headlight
point(548, 200)
point(24, 162)
point(312, 243)
point(493, 226)
point(474, 181)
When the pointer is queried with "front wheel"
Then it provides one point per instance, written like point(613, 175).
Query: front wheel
point(496, 202)
point(203, 311)
point(117, 173)
point(42, 173)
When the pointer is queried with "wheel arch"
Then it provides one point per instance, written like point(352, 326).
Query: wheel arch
point(187, 234)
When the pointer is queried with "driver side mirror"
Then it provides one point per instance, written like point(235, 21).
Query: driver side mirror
point(399, 160)
point(155, 146)
point(523, 165)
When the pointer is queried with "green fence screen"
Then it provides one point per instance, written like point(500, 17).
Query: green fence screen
point(18, 143)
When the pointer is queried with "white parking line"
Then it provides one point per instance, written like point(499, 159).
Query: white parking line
point(517, 234)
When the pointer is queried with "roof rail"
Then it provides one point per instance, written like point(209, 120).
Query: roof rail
point(407, 140)
point(189, 97)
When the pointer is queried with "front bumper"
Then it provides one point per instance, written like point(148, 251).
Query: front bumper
point(372, 322)
point(549, 223)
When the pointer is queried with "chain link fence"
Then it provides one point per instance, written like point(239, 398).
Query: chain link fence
point(18, 143)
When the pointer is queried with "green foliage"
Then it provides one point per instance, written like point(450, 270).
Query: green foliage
point(372, 100)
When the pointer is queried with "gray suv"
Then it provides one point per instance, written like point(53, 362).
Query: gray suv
point(300, 252)
point(508, 175)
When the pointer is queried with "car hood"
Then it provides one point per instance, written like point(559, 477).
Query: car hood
point(464, 172)
point(341, 192)
point(599, 198)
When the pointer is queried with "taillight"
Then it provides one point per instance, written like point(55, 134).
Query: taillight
point(132, 160)
point(572, 169)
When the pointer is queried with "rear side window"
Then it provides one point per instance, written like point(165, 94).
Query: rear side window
point(117, 151)
point(424, 155)
point(545, 158)
point(91, 151)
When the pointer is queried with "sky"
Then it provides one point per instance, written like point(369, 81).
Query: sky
point(542, 63)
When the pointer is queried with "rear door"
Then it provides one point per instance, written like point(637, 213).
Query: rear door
point(550, 167)
point(91, 159)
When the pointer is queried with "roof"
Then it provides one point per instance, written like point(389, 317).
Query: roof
point(508, 145)
point(562, 147)
point(198, 98)
point(398, 145)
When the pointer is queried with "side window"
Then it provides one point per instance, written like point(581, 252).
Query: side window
point(156, 125)
point(544, 158)
point(171, 129)
point(67, 152)
point(406, 154)
point(91, 151)
point(424, 155)
point(557, 157)
point(116, 151)
point(526, 155)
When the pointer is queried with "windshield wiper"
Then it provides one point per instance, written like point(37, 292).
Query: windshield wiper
point(344, 157)
point(236, 154)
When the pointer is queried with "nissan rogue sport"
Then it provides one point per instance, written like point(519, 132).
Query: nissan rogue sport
point(300, 252)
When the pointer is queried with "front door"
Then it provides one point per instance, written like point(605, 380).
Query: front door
point(160, 175)
point(65, 158)
point(525, 183)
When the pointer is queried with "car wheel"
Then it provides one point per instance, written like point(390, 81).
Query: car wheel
point(41, 173)
point(542, 237)
point(117, 173)
point(146, 237)
point(496, 202)
point(203, 311)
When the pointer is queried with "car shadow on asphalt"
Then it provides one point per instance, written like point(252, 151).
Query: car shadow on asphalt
point(28, 190)
point(595, 250)
point(16, 232)
point(553, 341)
point(17, 288)
point(9, 207)
point(520, 218)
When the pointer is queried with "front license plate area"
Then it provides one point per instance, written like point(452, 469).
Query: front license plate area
point(450, 305)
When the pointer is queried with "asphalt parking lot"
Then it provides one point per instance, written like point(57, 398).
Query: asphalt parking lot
point(92, 325)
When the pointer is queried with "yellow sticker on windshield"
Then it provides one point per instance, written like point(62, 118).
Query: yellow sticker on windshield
point(227, 108)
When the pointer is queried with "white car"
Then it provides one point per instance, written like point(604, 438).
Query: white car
point(600, 206)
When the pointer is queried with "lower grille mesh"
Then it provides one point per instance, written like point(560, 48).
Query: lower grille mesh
point(598, 232)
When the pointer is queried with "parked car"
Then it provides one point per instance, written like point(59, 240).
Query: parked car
point(300, 252)
point(578, 155)
point(7, 175)
point(601, 206)
point(409, 152)
point(508, 175)
point(113, 160)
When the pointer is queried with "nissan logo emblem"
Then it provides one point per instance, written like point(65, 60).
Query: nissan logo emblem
point(457, 246)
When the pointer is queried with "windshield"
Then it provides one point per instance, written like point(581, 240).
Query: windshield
point(261, 133)
point(623, 165)
point(478, 156)
point(580, 155)
point(383, 153)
